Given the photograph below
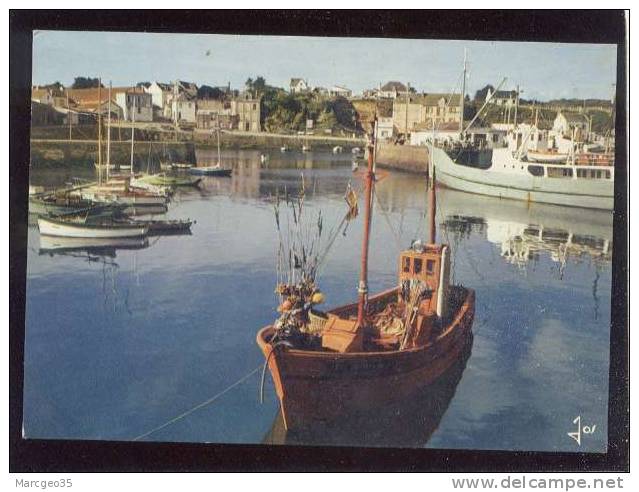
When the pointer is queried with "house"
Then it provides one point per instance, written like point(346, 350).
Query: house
point(391, 90)
point(160, 94)
point(385, 128)
point(568, 122)
point(248, 109)
point(93, 100)
point(430, 109)
point(136, 103)
point(298, 86)
point(339, 91)
point(502, 98)
point(240, 112)
point(183, 109)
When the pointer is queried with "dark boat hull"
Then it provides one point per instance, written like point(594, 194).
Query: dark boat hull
point(322, 386)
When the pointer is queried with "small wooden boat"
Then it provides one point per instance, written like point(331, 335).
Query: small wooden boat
point(284, 148)
point(338, 149)
point(210, 171)
point(383, 348)
point(50, 226)
point(306, 148)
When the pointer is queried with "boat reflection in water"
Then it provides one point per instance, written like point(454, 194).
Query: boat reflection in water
point(525, 233)
point(407, 423)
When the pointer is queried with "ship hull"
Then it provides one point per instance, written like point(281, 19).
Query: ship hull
point(320, 386)
point(583, 193)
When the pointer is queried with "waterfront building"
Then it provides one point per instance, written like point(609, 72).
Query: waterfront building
point(161, 97)
point(247, 107)
point(411, 110)
point(135, 100)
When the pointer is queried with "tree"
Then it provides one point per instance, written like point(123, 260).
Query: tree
point(86, 83)
point(146, 85)
point(481, 94)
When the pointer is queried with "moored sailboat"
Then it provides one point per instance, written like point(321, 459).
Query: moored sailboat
point(50, 226)
point(383, 348)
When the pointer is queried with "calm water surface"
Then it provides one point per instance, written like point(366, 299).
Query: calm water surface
point(120, 340)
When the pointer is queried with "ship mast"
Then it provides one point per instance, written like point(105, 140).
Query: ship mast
point(369, 182)
point(99, 131)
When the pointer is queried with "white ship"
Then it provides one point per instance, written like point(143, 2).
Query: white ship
point(508, 172)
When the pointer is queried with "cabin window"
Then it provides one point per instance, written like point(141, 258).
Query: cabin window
point(430, 266)
point(406, 265)
point(417, 266)
point(607, 174)
point(536, 170)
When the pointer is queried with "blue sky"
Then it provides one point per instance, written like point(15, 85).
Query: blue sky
point(543, 70)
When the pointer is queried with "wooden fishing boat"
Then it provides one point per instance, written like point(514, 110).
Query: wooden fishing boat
point(50, 226)
point(382, 348)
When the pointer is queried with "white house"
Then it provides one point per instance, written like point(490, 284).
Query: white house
point(160, 94)
point(136, 101)
point(339, 91)
point(298, 85)
point(385, 127)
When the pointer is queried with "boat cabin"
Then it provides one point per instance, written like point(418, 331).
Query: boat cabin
point(429, 264)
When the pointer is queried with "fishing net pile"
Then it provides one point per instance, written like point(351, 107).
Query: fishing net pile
point(303, 248)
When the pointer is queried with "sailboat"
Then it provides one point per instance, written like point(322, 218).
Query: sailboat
point(216, 170)
point(118, 190)
point(384, 347)
point(81, 228)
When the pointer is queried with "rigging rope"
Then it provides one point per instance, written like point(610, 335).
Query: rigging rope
point(199, 405)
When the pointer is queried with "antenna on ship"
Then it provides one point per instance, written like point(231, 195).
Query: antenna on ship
point(362, 289)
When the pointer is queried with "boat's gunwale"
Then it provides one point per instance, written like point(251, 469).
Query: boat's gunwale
point(467, 303)
point(78, 225)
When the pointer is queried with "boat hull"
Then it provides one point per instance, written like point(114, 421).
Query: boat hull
point(50, 227)
point(583, 193)
point(202, 171)
point(320, 386)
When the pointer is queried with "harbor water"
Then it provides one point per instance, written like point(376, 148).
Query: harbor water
point(124, 341)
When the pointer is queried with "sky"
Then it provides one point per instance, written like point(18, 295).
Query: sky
point(543, 70)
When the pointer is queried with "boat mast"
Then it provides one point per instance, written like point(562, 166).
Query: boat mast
point(108, 159)
point(463, 93)
point(370, 179)
point(219, 158)
point(432, 201)
point(99, 131)
point(132, 131)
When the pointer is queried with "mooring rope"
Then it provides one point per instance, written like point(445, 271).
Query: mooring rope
point(199, 405)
